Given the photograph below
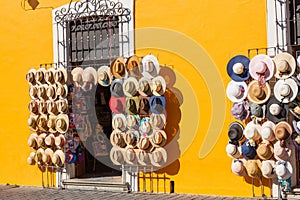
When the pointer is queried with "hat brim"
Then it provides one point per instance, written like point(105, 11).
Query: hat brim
point(86, 75)
point(294, 90)
point(135, 83)
point(148, 92)
point(106, 70)
point(266, 59)
point(66, 119)
point(233, 98)
point(115, 93)
point(121, 158)
point(291, 61)
point(163, 161)
point(120, 102)
point(253, 99)
point(145, 62)
point(276, 118)
point(238, 77)
point(113, 68)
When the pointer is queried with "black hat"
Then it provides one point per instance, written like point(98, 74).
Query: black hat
point(235, 131)
point(276, 111)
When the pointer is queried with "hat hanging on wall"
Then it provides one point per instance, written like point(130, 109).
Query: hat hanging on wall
point(133, 66)
point(33, 107)
point(62, 91)
point(119, 122)
point(32, 123)
point(283, 130)
point(33, 92)
point(233, 151)
point(143, 157)
point(285, 65)
point(51, 123)
point(132, 105)
point(49, 76)
point(51, 92)
point(150, 66)
point(42, 107)
point(117, 155)
point(52, 107)
point(253, 168)
point(131, 137)
point(258, 111)
point(268, 168)
point(58, 158)
point(47, 158)
point(158, 120)
point(249, 150)
point(133, 122)
point(257, 94)
point(285, 90)
point(240, 110)
point(252, 131)
point(118, 68)
point(276, 111)
point(158, 138)
point(267, 131)
point(62, 105)
point(32, 140)
point(144, 86)
point(116, 88)
point(60, 76)
point(261, 68)
point(130, 155)
point(284, 170)
point(40, 76)
point(265, 150)
point(104, 76)
point(60, 141)
point(30, 77)
point(158, 86)
point(144, 106)
point(31, 158)
point(282, 153)
point(117, 104)
point(237, 91)
point(77, 76)
point(238, 68)
point(62, 123)
point(89, 78)
point(130, 87)
point(42, 123)
point(159, 157)
point(41, 92)
point(144, 144)
point(235, 131)
point(169, 75)
point(238, 168)
point(145, 128)
point(157, 104)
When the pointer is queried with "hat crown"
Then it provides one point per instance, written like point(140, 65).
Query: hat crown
point(251, 132)
point(231, 149)
point(282, 66)
point(236, 91)
point(144, 143)
point(281, 170)
point(281, 133)
point(237, 109)
point(157, 156)
point(284, 90)
point(49, 76)
point(238, 68)
point(258, 92)
point(266, 132)
point(237, 167)
point(260, 67)
point(157, 137)
point(30, 77)
point(130, 154)
point(275, 109)
point(51, 123)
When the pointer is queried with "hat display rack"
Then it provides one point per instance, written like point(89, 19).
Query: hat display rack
point(265, 110)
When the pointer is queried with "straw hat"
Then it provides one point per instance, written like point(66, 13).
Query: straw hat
point(238, 168)
point(240, 110)
point(47, 157)
point(51, 92)
point(58, 158)
point(41, 140)
point(235, 131)
point(131, 137)
point(77, 76)
point(62, 91)
point(32, 123)
point(283, 130)
point(133, 66)
point(284, 170)
point(119, 122)
point(117, 138)
point(42, 92)
point(39, 155)
point(232, 150)
point(117, 68)
point(60, 140)
point(150, 66)
point(104, 76)
point(158, 86)
point(33, 92)
point(33, 107)
point(265, 150)
point(268, 168)
point(30, 77)
point(32, 140)
point(159, 157)
point(132, 105)
point(144, 107)
point(158, 120)
point(145, 126)
point(249, 150)
point(62, 123)
point(236, 91)
point(261, 67)
point(60, 76)
point(49, 76)
point(238, 68)
point(62, 105)
point(42, 123)
point(117, 104)
point(50, 139)
point(295, 111)
point(158, 138)
point(157, 104)
point(132, 122)
point(42, 107)
point(130, 87)
point(144, 144)
point(40, 76)
point(89, 78)
point(281, 153)
point(144, 86)
point(285, 65)
point(253, 168)
point(285, 90)
point(116, 88)
point(117, 155)
point(252, 131)
point(52, 107)
point(143, 157)
point(276, 111)
point(258, 95)
point(267, 131)
point(31, 158)
point(130, 155)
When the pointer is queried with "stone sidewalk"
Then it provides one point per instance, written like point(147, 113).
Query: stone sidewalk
point(39, 193)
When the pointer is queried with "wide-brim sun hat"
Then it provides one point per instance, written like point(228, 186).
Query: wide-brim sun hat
point(253, 168)
point(30, 76)
point(285, 65)
point(51, 92)
point(157, 104)
point(150, 66)
point(117, 138)
point(77, 76)
point(286, 90)
point(267, 131)
point(62, 91)
point(235, 131)
point(144, 106)
point(50, 139)
point(236, 91)
point(132, 105)
point(268, 168)
point(42, 92)
point(252, 131)
point(117, 104)
point(144, 88)
point(90, 75)
point(144, 143)
point(133, 122)
point(60, 75)
point(284, 170)
point(40, 76)
point(261, 66)
point(130, 87)
point(240, 110)
point(169, 75)
point(62, 123)
point(105, 76)
point(60, 141)
point(119, 122)
point(233, 151)
point(158, 138)
point(249, 150)
point(116, 88)
point(42, 123)
point(276, 111)
point(265, 150)
point(130, 155)
point(42, 107)
point(283, 130)
point(62, 105)
point(52, 107)
point(32, 123)
point(257, 94)
point(49, 76)
point(33, 92)
point(159, 157)
point(238, 68)
point(143, 157)
point(117, 155)
point(133, 66)
point(33, 107)
point(58, 158)
point(257, 110)
point(117, 68)
point(145, 128)
point(238, 168)
point(158, 120)
point(282, 153)
point(131, 137)
point(158, 86)
point(32, 140)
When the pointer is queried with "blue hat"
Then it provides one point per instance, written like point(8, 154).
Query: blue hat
point(157, 104)
point(248, 151)
point(238, 68)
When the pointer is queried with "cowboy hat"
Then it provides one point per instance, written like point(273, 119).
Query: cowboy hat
point(116, 88)
point(157, 104)
point(104, 76)
point(62, 123)
point(158, 138)
point(77, 76)
point(265, 150)
point(30, 76)
point(252, 131)
point(238, 168)
point(40, 76)
point(284, 169)
point(143, 157)
point(130, 155)
point(253, 168)
point(159, 157)
point(62, 105)
point(31, 158)
point(276, 111)
point(131, 137)
point(48, 154)
point(240, 110)
point(60, 75)
point(261, 67)
point(236, 91)
point(258, 95)
point(51, 123)
point(249, 150)
point(145, 126)
point(117, 68)
point(119, 122)
point(144, 144)
point(132, 105)
point(285, 65)
point(33, 92)
point(32, 140)
point(42, 123)
point(60, 140)
point(238, 68)
point(268, 168)
point(232, 150)
point(130, 87)
point(89, 78)
point(117, 104)
point(281, 153)
point(42, 107)
point(41, 140)
point(133, 66)
point(39, 155)
point(158, 120)
point(158, 86)
point(58, 158)
point(235, 131)
point(62, 91)
point(50, 139)
point(117, 155)
point(267, 131)
point(144, 88)
point(283, 130)
point(49, 76)
point(144, 106)
point(285, 90)
point(150, 66)
point(52, 107)
point(32, 122)
point(33, 107)
point(132, 122)
point(117, 138)
point(51, 92)
point(41, 92)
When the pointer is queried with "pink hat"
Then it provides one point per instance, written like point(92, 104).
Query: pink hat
point(281, 153)
point(117, 104)
point(238, 168)
point(261, 67)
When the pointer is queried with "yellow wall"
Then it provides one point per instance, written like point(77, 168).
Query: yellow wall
point(196, 37)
